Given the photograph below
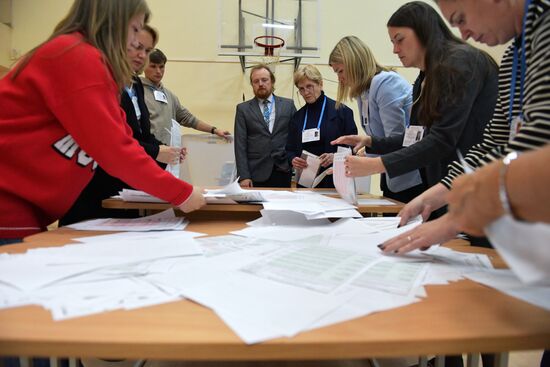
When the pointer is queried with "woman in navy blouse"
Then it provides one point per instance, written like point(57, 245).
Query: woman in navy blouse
point(316, 124)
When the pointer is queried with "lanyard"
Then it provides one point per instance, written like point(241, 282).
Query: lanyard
point(130, 91)
point(320, 116)
point(515, 67)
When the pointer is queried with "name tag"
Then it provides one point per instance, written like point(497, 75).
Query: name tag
point(365, 114)
point(413, 135)
point(311, 135)
point(515, 126)
point(160, 96)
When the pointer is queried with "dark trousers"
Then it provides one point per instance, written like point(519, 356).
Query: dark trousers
point(278, 178)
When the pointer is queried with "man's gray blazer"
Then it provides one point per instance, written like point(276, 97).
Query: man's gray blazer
point(257, 150)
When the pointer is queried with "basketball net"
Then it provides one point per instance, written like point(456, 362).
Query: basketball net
point(271, 46)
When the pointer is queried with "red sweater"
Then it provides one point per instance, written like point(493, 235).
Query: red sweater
point(58, 118)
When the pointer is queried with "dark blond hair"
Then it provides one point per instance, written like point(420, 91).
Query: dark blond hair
point(308, 72)
point(360, 67)
point(104, 25)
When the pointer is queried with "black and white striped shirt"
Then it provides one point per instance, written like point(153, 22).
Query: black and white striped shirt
point(535, 131)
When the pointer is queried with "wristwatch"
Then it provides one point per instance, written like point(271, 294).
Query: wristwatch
point(502, 191)
point(213, 129)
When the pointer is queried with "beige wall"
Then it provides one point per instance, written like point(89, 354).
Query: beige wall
point(210, 85)
point(5, 42)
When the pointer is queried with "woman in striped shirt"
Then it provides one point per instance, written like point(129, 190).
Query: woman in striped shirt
point(521, 120)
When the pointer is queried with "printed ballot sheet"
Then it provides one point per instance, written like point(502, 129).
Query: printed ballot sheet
point(162, 221)
point(344, 185)
point(307, 175)
point(310, 265)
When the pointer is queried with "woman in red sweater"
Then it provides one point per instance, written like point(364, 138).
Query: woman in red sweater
point(60, 117)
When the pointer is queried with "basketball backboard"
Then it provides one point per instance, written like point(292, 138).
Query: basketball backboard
point(295, 21)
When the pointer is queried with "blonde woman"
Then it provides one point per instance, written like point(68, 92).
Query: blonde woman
point(384, 100)
point(60, 117)
point(314, 126)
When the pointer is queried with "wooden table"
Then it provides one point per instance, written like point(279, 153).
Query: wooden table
point(458, 318)
point(252, 208)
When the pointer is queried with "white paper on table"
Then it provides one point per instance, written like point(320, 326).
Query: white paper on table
point(175, 141)
point(128, 236)
point(505, 281)
point(344, 185)
point(370, 201)
point(524, 247)
point(234, 192)
point(308, 174)
point(138, 196)
point(163, 221)
point(299, 232)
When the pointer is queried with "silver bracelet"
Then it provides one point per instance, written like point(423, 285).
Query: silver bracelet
point(502, 192)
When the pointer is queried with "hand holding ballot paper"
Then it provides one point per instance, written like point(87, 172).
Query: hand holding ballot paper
point(307, 166)
point(344, 185)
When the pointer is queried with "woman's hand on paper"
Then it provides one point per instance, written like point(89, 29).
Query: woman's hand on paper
point(474, 200)
point(357, 141)
point(424, 204)
point(195, 201)
point(363, 166)
point(422, 237)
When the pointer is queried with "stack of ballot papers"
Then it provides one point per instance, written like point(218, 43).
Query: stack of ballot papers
point(311, 205)
point(163, 221)
point(282, 275)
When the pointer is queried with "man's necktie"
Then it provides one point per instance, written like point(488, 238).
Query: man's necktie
point(266, 111)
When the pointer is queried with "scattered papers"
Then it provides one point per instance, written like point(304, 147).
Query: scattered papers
point(505, 281)
point(344, 185)
point(234, 192)
point(288, 275)
point(530, 263)
point(370, 201)
point(164, 221)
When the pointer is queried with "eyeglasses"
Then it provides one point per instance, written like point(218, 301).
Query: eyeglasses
point(308, 88)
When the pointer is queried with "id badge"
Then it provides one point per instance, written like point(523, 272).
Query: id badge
point(136, 107)
point(515, 126)
point(160, 96)
point(311, 135)
point(365, 114)
point(413, 135)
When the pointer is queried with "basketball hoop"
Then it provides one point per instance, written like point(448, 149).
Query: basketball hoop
point(272, 49)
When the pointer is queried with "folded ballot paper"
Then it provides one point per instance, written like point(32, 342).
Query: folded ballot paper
point(308, 177)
